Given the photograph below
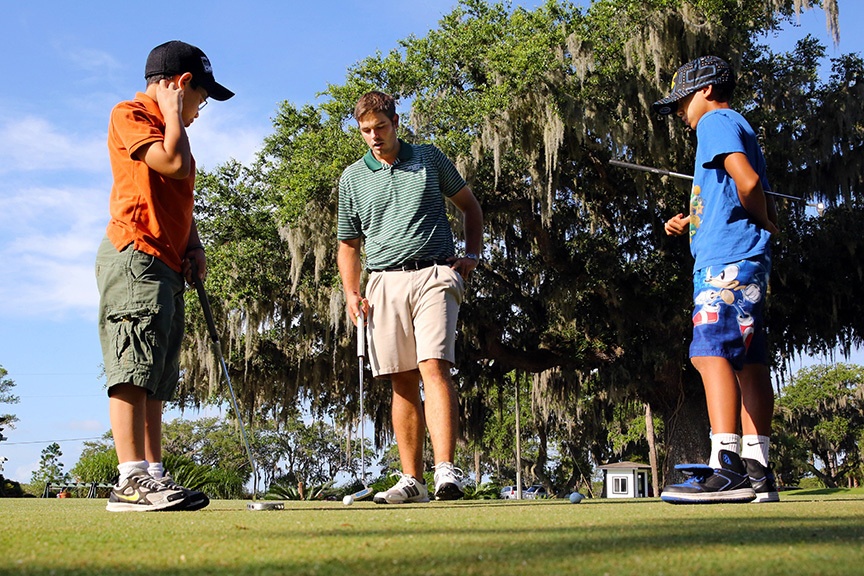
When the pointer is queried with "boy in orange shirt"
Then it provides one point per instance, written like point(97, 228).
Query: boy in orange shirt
point(143, 264)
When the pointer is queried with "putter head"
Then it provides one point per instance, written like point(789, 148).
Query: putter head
point(364, 493)
point(259, 505)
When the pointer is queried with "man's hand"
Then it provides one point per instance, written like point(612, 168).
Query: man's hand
point(462, 265)
point(355, 302)
point(677, 225)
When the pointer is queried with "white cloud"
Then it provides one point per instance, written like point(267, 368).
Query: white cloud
point(48, 242)
point(87, 426)
point(96, 61)
point(54, 206)
point(31, 143)
point(217, 138)
point(25, 472)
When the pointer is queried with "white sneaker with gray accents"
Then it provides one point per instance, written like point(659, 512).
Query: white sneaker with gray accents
point(448, 482)
point(407, 489)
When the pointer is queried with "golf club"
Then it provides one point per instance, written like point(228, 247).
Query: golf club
point(361, 354)
point(820, 207)
point(217, 349)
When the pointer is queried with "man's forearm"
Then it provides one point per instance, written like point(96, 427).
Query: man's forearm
point(348, 261)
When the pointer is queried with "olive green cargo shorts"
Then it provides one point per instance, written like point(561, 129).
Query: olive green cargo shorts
point(140, 319)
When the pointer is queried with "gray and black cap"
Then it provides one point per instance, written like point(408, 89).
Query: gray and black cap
point(694, 76)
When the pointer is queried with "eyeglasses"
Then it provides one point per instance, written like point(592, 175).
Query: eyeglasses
point(200, 91)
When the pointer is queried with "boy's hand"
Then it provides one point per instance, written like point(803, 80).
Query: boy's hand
point(195, 261)
point(677, 225)
point(169, 96)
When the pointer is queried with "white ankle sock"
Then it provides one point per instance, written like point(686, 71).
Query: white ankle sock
point(156, 470)
point(730, 442)
point(126, 468)
point(756, 448)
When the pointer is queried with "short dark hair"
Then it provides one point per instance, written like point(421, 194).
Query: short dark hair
point(375, 102)
point(723, 90)
point(159, 77)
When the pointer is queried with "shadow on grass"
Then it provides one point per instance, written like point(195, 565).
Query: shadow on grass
point(825, 492)
point(542, 551)
point(769, 539)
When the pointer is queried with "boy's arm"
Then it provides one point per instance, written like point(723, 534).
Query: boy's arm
point(172, 156)
point(750, 192)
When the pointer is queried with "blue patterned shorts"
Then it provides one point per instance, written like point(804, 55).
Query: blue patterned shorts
point(728, 312)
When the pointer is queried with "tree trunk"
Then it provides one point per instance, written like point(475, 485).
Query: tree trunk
point(538, 468)
point(652, 450)
point(478, 476)
point(687, 433)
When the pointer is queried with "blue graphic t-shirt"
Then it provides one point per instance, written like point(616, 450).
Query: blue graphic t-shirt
point(721, 230)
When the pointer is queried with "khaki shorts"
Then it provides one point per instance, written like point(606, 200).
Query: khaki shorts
point(140, 319)
point(413, 317)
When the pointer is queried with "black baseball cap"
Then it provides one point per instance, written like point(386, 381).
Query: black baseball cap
point(694, 76)
point(177, 57)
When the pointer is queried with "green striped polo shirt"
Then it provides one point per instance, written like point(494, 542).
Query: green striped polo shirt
point(399, 210)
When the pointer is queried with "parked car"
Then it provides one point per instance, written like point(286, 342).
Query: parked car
point(509, 492)
point(535, 492)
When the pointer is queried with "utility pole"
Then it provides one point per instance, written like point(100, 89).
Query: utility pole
point(518, 445)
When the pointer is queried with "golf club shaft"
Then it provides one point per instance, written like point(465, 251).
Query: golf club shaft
point(662, 172)
point(217, 348)
point(361, 353)
point(659, 171)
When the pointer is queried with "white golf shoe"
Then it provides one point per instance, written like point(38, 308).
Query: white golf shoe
point(407, 489)
point(448, 482)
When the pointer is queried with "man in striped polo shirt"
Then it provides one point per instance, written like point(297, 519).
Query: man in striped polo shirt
point(392, 203)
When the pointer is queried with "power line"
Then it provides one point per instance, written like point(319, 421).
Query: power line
point(63, 396)
point(51, 441)
point(56, 374)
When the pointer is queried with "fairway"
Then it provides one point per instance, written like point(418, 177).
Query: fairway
point(812, 532)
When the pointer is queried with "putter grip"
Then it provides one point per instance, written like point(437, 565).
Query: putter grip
point(361, 334)
point(205, 303)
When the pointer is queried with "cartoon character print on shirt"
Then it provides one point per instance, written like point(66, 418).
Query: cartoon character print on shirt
point(697, 207)
point(726, 290)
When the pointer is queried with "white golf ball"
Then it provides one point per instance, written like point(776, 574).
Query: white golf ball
point(348, 500)
point(576, 498)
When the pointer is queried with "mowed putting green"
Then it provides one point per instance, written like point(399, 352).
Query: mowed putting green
point(808, 532)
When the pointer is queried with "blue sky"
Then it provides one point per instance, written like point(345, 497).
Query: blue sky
point(64, 69)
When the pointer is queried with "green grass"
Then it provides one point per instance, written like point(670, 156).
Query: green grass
point(808, 532)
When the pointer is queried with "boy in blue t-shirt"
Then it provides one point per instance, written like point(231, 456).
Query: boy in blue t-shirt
point(730, 225)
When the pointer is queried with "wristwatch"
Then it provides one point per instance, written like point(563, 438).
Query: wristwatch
point(472, 257)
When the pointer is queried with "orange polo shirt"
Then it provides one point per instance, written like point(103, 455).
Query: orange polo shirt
point(150, 210)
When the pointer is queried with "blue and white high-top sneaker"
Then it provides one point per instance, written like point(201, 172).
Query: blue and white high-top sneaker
point(728, 484)
point(762, 480)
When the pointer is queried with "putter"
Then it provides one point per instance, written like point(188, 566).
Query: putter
point(361, 354)
point(820, 207)
point(217, 349)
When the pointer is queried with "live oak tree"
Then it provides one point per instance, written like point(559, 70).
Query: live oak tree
point(6, 397)
point(6, 420)
point(579, 288)
point(822, 410)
